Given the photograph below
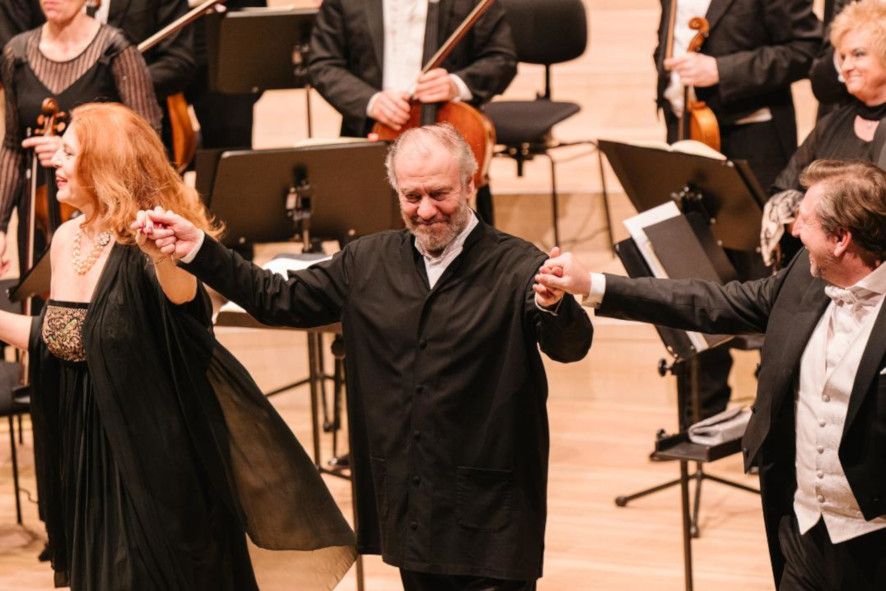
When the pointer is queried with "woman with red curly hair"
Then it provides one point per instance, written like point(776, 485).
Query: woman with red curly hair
point(155, 449)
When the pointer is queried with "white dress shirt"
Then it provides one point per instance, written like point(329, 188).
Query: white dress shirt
point(436, 266)
point(827, 374)
point(405, 22)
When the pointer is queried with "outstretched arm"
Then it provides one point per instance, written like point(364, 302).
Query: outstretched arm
point(311, 297)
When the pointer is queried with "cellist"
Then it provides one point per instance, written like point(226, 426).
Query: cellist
point(753, 52)
point(366, 59)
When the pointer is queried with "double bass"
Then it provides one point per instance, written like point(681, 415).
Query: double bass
point(697, 120)
point(473, 125)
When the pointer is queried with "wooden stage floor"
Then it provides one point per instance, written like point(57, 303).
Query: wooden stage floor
point(604, 410)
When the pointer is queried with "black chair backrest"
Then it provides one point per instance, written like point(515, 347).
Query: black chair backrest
point(547, 31)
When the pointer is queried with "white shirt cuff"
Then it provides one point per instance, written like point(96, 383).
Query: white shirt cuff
point(370, 104)
point(193, 254)
point(598, 288)
point(464, 93)
point(552, 311)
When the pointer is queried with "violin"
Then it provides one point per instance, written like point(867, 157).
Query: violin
point(473, 125)
point(44, 214)
point(697, 120)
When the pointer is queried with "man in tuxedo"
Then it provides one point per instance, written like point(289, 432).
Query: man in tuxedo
point(366, 58)
point(818, 428)
point(744, 71)
point(446, 385)
point(171, 62)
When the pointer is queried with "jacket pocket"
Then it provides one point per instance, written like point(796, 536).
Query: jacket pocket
point(380, 482)
point(484, 498)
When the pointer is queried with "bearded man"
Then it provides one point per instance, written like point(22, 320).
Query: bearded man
point(446, 386)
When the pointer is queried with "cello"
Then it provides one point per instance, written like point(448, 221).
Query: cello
point(697, 120)
point(474, 126)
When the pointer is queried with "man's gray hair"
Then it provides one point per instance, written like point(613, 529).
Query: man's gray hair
point(425, 139)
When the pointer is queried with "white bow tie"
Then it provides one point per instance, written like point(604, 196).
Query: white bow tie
point(850, 297)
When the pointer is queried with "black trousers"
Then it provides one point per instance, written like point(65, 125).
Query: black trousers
point(814, 563)
point(415, 581)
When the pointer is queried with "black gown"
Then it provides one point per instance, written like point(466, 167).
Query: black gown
point(159, 452)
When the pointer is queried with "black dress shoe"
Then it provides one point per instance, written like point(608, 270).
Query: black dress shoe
point(45, 554)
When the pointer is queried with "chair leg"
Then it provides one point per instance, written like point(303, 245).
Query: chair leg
point(606, 202)
point(554, 207)
point(18, 503)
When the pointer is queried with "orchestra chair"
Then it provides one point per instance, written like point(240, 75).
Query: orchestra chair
point(545, 32)
point(14, 398)
point(13, 403)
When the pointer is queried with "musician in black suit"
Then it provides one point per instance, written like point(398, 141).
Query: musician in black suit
point(366, 56)
point(171, 62)
point(753, 53)
point(818, 428)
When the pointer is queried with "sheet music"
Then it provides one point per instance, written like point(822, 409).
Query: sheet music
point(281, 265)
point(636, 228)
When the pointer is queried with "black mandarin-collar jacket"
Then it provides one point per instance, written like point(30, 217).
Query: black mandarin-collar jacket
point(447, 391)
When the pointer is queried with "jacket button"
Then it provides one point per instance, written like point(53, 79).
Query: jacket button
point(416, 435)
point(422, 344)
point(413, 525)
point(419, 389)
point(744, 450)
point(416, 480)
point(754, 409)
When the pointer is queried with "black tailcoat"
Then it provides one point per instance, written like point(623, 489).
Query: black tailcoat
point(786, 307)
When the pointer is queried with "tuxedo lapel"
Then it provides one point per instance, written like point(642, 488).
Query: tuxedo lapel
point(868, 367)
point(716, 11)
point(376, 23)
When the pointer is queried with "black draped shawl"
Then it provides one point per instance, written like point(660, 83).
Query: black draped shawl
point(163, 384)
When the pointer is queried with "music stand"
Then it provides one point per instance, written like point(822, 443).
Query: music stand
point(257, 49)
point(258, 193)
point(724, 191)
point(686, 248)
point(34, 281)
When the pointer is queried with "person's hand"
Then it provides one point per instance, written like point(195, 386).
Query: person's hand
point(548, 297)
point(171, 234)
point(145, 227)
point(435, 86)
point(44, 147)
point(390, 107)
point(695, 69)
point(563, 272)
point(4, 262)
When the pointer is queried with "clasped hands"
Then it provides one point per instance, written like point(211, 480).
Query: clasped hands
point(163, 234)
point(561, 273)
point(391, 107)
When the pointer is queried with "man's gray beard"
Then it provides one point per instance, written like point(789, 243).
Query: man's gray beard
point(436, 243)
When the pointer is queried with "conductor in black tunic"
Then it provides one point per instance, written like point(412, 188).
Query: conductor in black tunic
point(447, 390)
